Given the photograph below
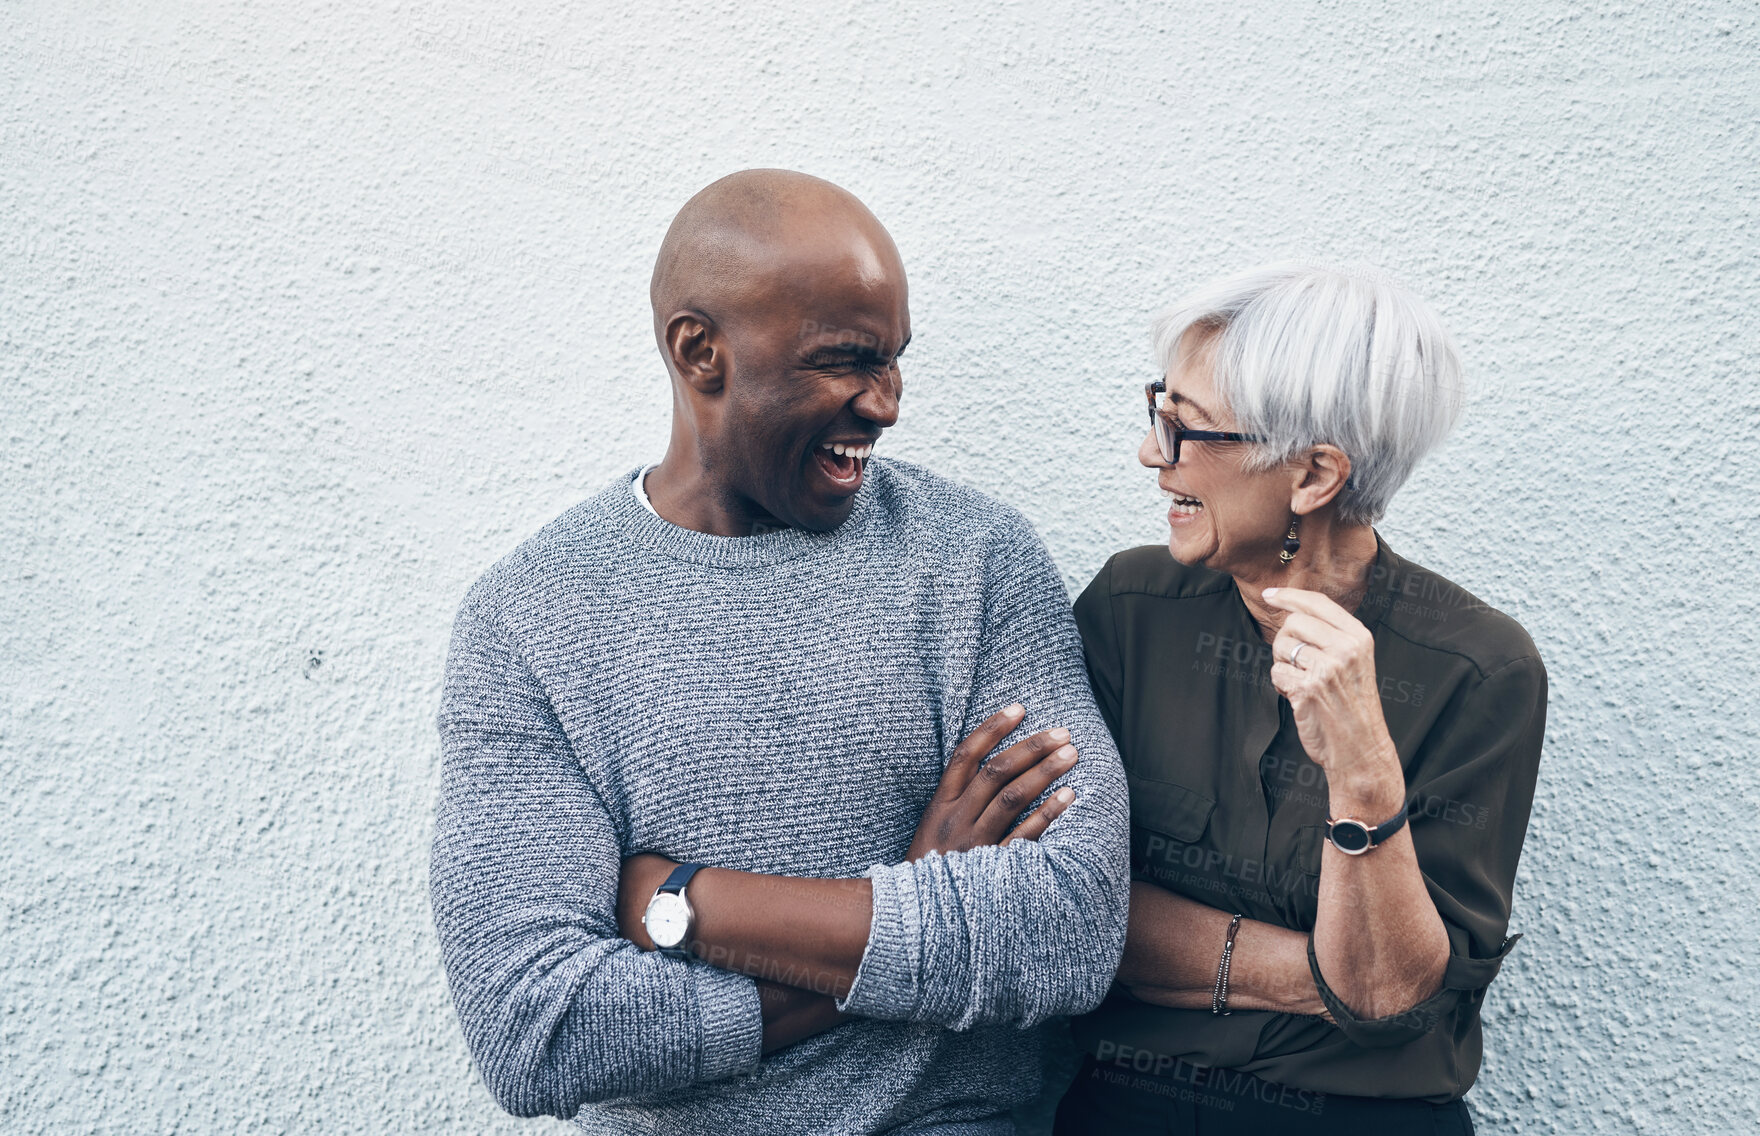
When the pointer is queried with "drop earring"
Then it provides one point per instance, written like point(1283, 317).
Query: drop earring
point(1292, 544)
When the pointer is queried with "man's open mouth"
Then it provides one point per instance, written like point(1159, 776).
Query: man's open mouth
point(842, 462)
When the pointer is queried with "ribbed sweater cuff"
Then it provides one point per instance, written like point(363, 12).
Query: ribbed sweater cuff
point(732, 1023)
point(886, 981)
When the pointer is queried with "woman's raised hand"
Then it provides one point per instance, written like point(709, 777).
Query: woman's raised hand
point(1334, 692)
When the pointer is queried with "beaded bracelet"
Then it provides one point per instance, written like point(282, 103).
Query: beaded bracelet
point(1219, 995)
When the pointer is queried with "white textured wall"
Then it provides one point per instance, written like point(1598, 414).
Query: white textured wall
point(305, 318)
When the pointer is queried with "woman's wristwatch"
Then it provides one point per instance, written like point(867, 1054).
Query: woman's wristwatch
point(1353, 837)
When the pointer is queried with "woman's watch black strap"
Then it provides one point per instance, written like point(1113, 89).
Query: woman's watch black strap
point(1352, 837)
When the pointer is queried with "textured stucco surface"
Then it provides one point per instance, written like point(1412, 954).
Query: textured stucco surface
point(308, 315)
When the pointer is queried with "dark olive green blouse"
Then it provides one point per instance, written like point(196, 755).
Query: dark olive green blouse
point(1227, 809)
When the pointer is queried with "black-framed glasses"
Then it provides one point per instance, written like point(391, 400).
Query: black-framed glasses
point(1169, 436)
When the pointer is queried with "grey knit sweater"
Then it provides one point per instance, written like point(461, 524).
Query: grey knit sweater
point(780, 703)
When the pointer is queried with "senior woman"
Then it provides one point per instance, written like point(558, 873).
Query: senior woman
point(1331, 750)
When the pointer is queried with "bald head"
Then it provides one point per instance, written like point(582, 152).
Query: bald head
point(781, 309)
point(754, 241)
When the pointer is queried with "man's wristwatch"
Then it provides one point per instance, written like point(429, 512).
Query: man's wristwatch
point(1353, 837)
point(670, 919)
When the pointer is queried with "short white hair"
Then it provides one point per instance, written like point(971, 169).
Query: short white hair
point(1309, 354)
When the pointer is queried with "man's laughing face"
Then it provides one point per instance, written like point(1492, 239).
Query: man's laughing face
point(812, 383)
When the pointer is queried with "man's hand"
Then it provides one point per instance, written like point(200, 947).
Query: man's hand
point(791, 1015)
point(974, 805)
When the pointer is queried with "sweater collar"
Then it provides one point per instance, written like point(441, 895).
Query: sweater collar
point(653, 531)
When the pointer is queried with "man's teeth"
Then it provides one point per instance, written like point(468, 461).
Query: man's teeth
point(860, 453)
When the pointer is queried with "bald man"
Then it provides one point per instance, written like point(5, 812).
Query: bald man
point(774, 797)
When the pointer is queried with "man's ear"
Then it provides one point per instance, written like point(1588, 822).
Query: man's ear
point(694, 347)
point(1322, 473)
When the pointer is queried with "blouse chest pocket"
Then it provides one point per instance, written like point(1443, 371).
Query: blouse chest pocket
point(1170, 809)
point(1304, 848)
point(1167, 821)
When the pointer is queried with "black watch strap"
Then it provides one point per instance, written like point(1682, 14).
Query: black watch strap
point(1380, 833)
point(680, 876)
point(1386, 829)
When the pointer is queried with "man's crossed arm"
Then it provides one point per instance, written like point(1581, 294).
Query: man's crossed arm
point(804, 938)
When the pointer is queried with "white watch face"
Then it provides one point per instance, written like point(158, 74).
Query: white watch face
point(668, 919)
